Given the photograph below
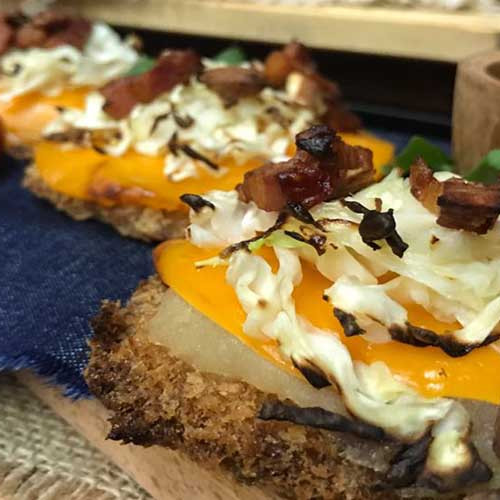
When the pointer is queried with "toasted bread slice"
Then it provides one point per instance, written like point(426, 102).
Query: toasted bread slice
point(142, 223)
point(150, 368)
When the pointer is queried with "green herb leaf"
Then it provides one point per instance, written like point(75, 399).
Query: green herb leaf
point(418, 146)
point(143, 64)
point(233, 56)
point(488, 170)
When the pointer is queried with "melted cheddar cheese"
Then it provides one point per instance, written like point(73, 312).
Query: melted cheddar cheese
point(429, 370)
point(26, 116)
point(139, 179)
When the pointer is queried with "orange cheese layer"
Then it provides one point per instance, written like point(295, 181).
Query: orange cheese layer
point(428, 370)
point(26, 116)
point(139, 179)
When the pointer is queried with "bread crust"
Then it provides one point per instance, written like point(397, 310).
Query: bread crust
point(157, 399)
point(134, 221)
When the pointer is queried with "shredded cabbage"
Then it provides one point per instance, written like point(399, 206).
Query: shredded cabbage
point(247, 130)
point(104, 57)
point(470, 275)
point(370, 392)
point(211, 227)
point(370, 301)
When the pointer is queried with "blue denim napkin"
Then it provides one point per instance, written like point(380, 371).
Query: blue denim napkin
point(54, 273)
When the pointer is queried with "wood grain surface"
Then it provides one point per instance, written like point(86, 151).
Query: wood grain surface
point(165, 474)
point(476, 109)
point(377, 30)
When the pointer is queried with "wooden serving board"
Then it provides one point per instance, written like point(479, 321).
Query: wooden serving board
point(165, 474)
point(378, 30)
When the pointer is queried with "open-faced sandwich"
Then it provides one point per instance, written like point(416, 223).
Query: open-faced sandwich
point(319, 334)
point(51, 60)
point(186, 124)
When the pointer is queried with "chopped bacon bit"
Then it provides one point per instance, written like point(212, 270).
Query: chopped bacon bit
point(52, 29)
point(171, 69)
point(262, 186)
point(295, 57)
point(469, 205)
point(424, 186)
point(277, 68)
point(45, 30)
point(29, 36)
point(233, 83)
point(294, 60)
point(120, 96)
point(292, 57)
point(7, 33)
point(323, 168)
point(354, 165)
point(316, 141)
point(340, 118)
point(459, 204)
point(300, 57)
point(75, 33)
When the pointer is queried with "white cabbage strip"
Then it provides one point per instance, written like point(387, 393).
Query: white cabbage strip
point(374, 302)
point(211, 227)
point(104, 57)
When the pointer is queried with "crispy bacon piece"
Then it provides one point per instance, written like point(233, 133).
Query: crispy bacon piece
point(323, 168)
point(74, 31)
point(340, 118)
point(424, 186)
point(121, 96)
point(292, 57)
point(29, 36)
point(51, 29)
point(274, 184)
point(171, 69)
point(310, 86)
point(295, 57)
point(233, 83)
point(47, 29)
point(277, 68)
point(459, 204)
point(470, 206)
point(7, 32)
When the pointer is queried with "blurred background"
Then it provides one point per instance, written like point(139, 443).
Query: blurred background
point(392, 58)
